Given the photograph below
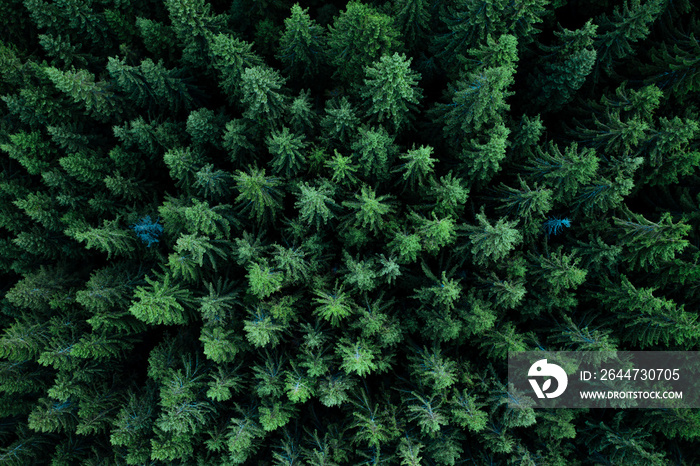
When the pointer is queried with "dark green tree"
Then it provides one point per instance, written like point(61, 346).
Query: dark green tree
point(565, 68)
point(303, 44)
point(391, 91)
point(359, 36)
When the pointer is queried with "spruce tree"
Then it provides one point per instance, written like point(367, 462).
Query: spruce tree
point(358, 36)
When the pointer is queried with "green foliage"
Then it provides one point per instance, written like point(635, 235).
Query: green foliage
point(567, 173)
point(302, 45)
point(648, 242)
point(33, 153)
point(433, 370)
point(375, 151)
point(191, 253)
point(647, 319)
point(81, 87)
point(468, 23)
point(263, 95)
point(262, 280)
point(623, 28)
point(482, 160)
point(151, 85)
point(369, 210)
point(361, 273)
point(110, 238)
point(568, 63)
point(417, 165)
point(466, 411)
point(374, 424)
point(476, 100)
point(525, 203)
point(194, 24)
point(258, 193)
point(231, 57)
point(358, 36)
point(162, 302)
point(412, 19)
point(670, 156)
point(558, 270)
point(314, 203)
point(242, 435)
point(340, 119)
point(623, 445)
point(391, 90)
point(449, 193)
point(333, 306)
point(287, 152)
point(491, 243)
point(357, 357)
point(261, 232)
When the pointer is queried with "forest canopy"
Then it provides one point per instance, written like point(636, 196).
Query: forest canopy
point(268, 232)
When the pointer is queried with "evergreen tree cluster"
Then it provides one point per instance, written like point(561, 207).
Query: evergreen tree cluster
point(267, 232)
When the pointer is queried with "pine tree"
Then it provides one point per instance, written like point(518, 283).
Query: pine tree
point(390, 90)
point(670, 156)
point(340, 121)
point(81, 87)
point(194, 25)
point(358, 36)
point(567, 173)
point(287, 152)
point(427, 412)
point(236, 140)
point(263, 95)
point(244, 436)
point(674, 64)
point(152, 85)
point(476, 101)
point(468, 23)
point(491, 243)
point(409, 451)
point(436, 233)
point(450, 194)
point(333, 306)
point(648, 243)
point(30, 150)
point(563, 72)
point(433, 370)
point(622, 445)
point(648, 319)
point(524, 17)
point(263, 280)
point(231, 57)
point(302, 116)
point(157, 36)
point(259, 194)
point(109, 238)
point(481, 161)
point(360, 273)
point(315, 203)
point(375, 151)
point(191, 253)
point(623, 28)
point(374, 423)
point(525, 203)
point(303, 44)
point(559, 271)
point(162, 302)
point(370, 210)
point(581, 337)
